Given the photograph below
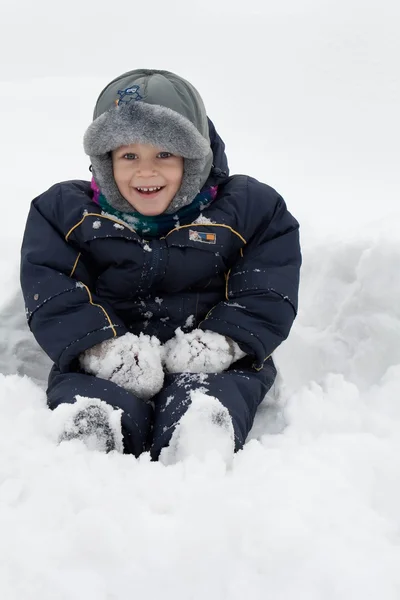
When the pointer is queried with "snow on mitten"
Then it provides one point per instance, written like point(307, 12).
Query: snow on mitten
point(200, 352)
point(132, 362)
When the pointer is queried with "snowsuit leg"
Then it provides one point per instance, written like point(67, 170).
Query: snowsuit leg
point(240, 390)
point(137, 415)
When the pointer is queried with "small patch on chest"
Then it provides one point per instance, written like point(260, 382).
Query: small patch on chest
point(203, 237)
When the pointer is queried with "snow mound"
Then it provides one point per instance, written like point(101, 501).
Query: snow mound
point(19, 351)
point(349, 317)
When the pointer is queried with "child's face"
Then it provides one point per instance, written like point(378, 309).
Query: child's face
point(145, 166)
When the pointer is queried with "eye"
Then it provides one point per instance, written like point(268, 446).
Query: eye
point(165, 154)
point(129, 156)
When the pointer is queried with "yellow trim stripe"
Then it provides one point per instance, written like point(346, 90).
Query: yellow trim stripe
point(98, 306)
point(207, 315)
point(261, 368)
point(226, 284)
point(75, 264)
point(100, 217)
point(205, 225)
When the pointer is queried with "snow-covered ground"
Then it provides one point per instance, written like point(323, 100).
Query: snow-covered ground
point(310, 509)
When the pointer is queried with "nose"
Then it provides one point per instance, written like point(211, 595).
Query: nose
point(146, 168)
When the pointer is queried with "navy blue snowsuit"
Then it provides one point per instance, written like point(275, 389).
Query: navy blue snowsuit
point(85, 279)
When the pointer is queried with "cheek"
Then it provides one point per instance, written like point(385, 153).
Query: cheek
point(121, 174)
point(179, 175)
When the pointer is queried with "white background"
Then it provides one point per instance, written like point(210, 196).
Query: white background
point(306, 96)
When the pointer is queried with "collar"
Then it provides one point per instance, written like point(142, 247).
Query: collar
point(158, 225)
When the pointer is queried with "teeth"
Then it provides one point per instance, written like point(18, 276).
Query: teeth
point(150, 189)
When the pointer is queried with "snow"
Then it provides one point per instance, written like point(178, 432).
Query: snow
point(310, 508)
point(234, 304)
point(205, 430)
point(203, 220)
point(92, 420)
point(190, 321)
point(118, 226)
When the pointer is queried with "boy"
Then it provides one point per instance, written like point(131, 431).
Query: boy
point(164, 278)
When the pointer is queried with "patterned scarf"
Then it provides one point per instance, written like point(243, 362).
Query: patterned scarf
point(159, 225)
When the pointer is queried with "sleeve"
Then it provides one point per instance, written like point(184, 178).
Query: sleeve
point(63, 313)
point(262, 288)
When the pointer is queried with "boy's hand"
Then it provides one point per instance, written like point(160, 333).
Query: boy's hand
point(132, 362)
point(200, 352)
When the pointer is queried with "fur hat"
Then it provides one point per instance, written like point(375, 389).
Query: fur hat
point(150, 107)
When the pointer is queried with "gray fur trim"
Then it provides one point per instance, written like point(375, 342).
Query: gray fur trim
point(139, 122)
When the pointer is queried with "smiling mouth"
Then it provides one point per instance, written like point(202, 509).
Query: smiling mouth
point(149, 191)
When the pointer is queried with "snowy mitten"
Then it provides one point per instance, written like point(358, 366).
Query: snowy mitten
point(94, 422)
point(132, 362)
point(200, 352)
point(205, 428)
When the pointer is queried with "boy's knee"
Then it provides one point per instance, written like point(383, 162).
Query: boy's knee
point(240, 392)
point(136, 417)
